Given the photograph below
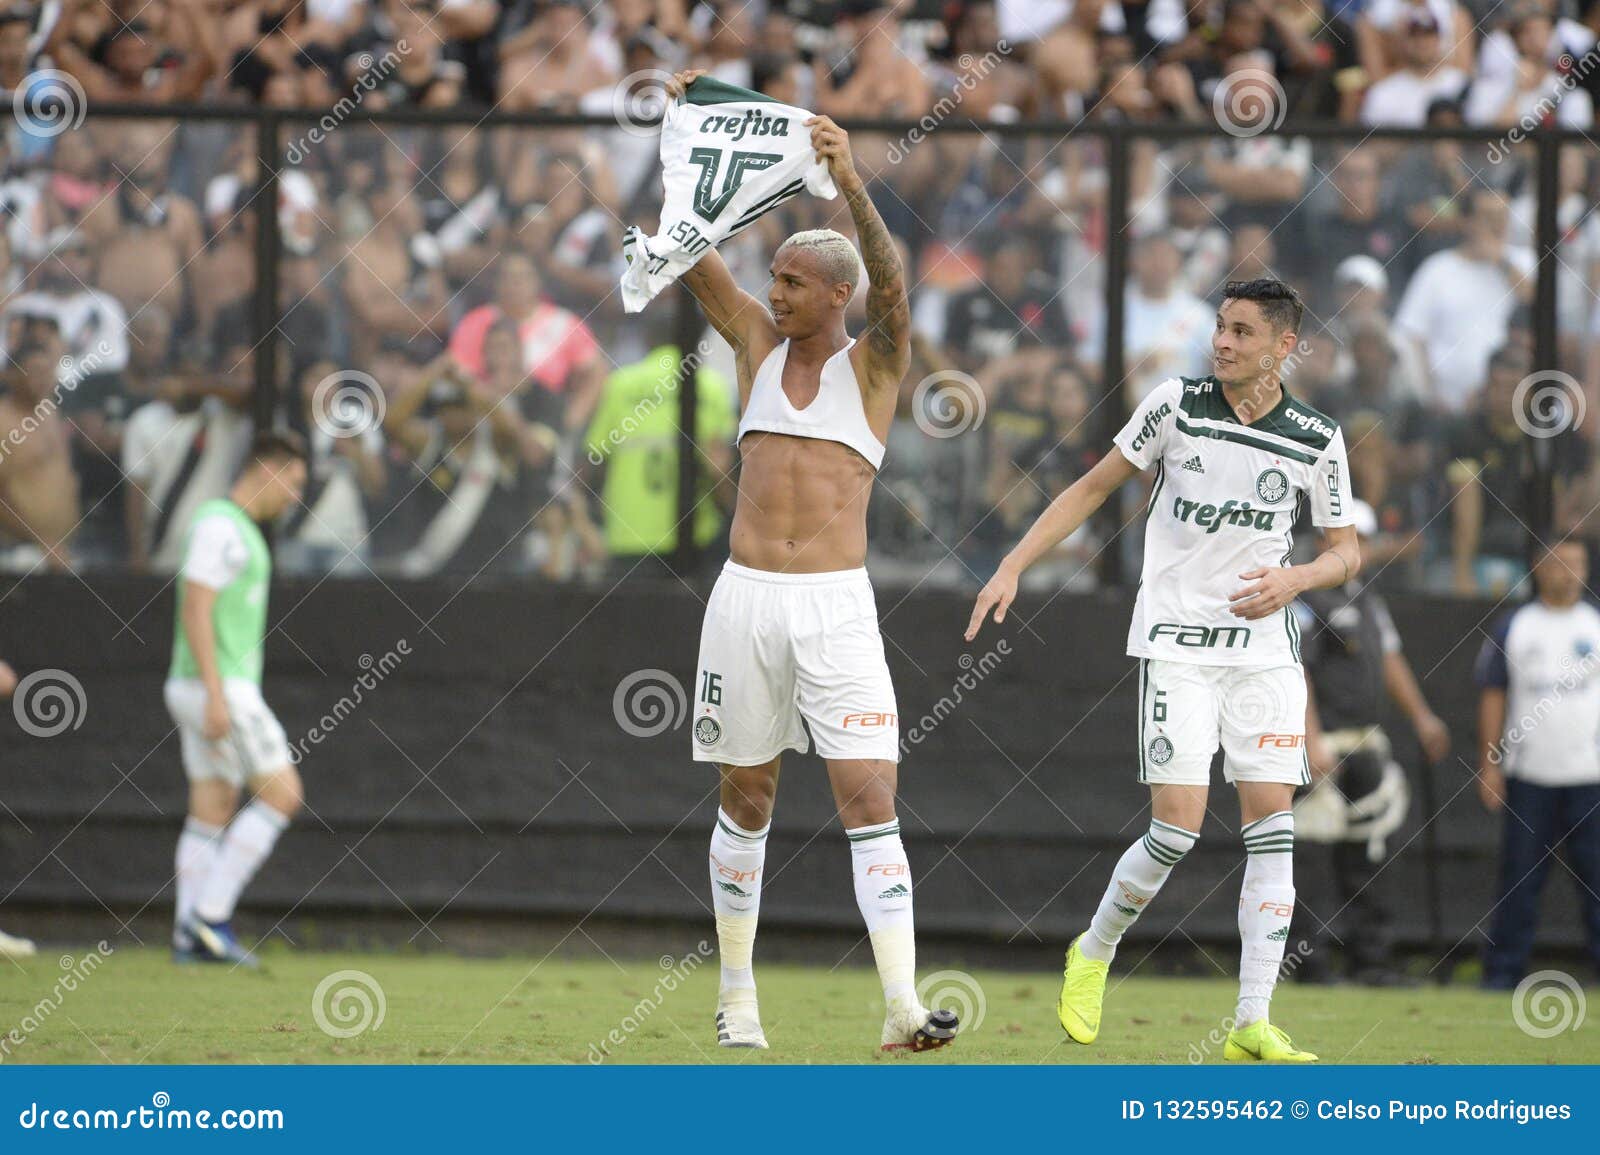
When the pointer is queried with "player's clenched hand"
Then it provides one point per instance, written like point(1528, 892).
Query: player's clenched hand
point(833, 146)
point(1272, 589)
point(681, 80)
point(997, 595)
point(217, 723)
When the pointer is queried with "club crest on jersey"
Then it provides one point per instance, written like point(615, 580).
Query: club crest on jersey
point(1272, 486)
point(1160, 750)
point(707, 731)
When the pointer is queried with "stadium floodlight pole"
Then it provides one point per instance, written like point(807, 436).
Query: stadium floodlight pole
point(1116, 411)
point(686, 553)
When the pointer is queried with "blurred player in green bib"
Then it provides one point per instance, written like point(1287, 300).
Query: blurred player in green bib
point(230, 738)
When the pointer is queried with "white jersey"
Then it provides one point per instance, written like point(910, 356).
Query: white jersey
point(1225, 500)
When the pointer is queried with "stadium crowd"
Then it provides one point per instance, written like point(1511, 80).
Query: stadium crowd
point(451, 340)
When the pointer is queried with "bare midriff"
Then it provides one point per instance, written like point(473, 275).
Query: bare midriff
point(802, 505)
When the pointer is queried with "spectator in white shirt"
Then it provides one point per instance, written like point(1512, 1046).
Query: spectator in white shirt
point(1535, 92)
point(1458, 303)
point(1166, 328)
point(1402, 98)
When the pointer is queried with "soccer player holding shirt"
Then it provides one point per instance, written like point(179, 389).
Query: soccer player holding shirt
point(230, 738)
point(1219, 655)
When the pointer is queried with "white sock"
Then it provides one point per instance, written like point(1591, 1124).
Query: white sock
point(883, 892)
point(1140, 871)
point(1266, 904)
point(248, 841)
point(737, 857)
point(197, 850)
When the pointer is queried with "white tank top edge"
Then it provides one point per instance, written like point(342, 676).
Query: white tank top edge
point(836, 413)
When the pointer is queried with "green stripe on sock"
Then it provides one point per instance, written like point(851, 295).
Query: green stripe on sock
point(895, 829)
point(1166, 858)
point(1172, 850)
point(1249, 826)
point(740, 834)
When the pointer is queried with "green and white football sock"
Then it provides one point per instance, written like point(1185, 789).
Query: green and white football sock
point(883, 892)
point(1140, 872)
point(737, 859)
point(1266, 904)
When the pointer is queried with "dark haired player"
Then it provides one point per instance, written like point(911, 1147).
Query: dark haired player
point(1219, 655)
point(230, 738)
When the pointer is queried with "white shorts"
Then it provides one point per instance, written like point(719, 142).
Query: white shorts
point(1257, 714)
point(254, 745)
point(779, 647)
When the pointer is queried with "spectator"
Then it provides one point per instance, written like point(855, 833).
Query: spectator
point(1167, 329)
point(1457, 306)
point(1355, 220)
point(559, 351)
point(876, 77)
point(1403, 96)
point(134, 64)
point(466, 500)
point(1430, 182)
point(1384, 28)
point(38, 490)
point(1014, 307)
point(147, 235)
point(1523, 75)
point(183, 447)
point(1539, 722)
point(93, 325)
point(326, 530)
point(1486, 451)
point(633, 443)
point(1392, 552)
point(387, 290)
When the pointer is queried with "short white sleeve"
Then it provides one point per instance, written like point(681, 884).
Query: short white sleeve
point(217, 552)
point(1330, 488)
point(1144, 438)
point(1386, 631)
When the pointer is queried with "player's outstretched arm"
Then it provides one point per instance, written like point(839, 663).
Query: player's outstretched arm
point(1061, 518)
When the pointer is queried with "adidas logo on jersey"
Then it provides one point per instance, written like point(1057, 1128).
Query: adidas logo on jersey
point(1194, 464)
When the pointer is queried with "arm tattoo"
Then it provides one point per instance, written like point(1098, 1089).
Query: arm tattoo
point(888, 311)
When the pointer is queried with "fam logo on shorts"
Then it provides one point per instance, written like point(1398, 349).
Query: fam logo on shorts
point(707, 730)
point(1272, 486)
point(1160, 750)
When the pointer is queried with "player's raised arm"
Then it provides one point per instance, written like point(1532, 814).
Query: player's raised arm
point(1061, 518)
point(888, 335)
point(731, 311)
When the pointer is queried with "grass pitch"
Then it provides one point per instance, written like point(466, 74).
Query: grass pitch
point(138, 1007)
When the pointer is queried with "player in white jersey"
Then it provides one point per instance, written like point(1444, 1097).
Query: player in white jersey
point(790, 637)
point(1219, 657)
